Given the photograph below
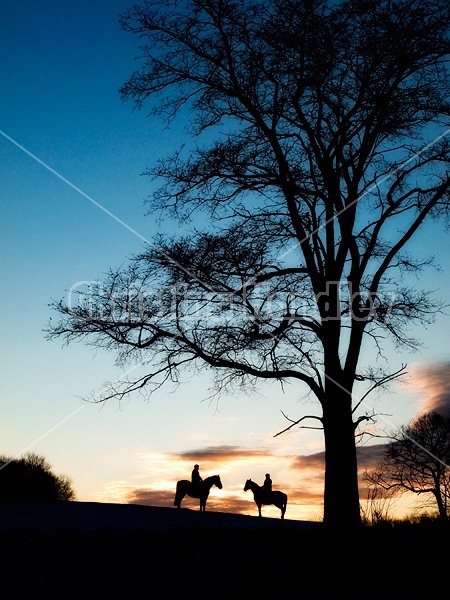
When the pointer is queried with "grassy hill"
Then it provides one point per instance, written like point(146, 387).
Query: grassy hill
point(91, 550)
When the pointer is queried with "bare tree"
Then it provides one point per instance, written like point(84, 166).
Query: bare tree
point(417, 460)
point(325, 149)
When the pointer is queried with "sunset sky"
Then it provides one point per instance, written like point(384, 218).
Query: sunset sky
point(72, 207)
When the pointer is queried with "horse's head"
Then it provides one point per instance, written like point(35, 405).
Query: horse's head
point(217, 482)
point(248, 484)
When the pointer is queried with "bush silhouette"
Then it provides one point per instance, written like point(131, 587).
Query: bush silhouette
point(31, 478)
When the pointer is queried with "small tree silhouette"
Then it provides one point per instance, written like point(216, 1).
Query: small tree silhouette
point(31, 478)
point(417, 461)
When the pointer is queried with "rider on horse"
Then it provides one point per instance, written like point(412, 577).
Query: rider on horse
point(196, 478)
point(267, 486)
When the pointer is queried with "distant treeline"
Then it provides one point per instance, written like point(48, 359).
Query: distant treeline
point(31, 478)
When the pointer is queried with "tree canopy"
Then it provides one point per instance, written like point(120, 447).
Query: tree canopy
point(31, 477)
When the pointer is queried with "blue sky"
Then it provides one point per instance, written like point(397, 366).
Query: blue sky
point(72, 206)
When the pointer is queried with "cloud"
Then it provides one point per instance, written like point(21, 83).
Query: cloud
point(218, 454)
point(310, 461)
point(369, 456)
point(432, 382)
point(150, 497)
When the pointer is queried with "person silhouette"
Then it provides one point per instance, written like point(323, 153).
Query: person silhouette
point(196, 477)
point(267, 485)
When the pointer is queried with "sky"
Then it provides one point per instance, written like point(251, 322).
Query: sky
point(72, 198)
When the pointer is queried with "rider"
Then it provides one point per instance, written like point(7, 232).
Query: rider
point(196, 477)
point(267, 485)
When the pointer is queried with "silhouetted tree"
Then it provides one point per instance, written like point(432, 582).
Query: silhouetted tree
point(31, 478)
point(417, 460)
point(325, 149)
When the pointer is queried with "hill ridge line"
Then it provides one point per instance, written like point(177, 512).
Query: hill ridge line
point(74, 516)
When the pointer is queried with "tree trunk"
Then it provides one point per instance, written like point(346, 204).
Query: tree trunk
point(341, 495)
point(440, 504)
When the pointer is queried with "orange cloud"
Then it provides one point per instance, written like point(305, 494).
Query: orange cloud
point(150, 497)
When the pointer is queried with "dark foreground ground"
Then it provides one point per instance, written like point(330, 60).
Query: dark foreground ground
point(90, 550)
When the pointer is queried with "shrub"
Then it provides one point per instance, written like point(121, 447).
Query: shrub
point(31, 478)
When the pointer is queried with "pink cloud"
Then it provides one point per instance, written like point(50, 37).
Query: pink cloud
point(432, 382)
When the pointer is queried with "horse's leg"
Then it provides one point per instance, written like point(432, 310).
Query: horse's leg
point(259, 510)
point(179, 499)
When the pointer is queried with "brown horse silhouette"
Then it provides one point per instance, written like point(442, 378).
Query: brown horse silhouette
point(260, 496)
point(201, 491)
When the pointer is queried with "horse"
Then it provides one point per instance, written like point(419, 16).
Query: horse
point(201, 491)
point(279, 499)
